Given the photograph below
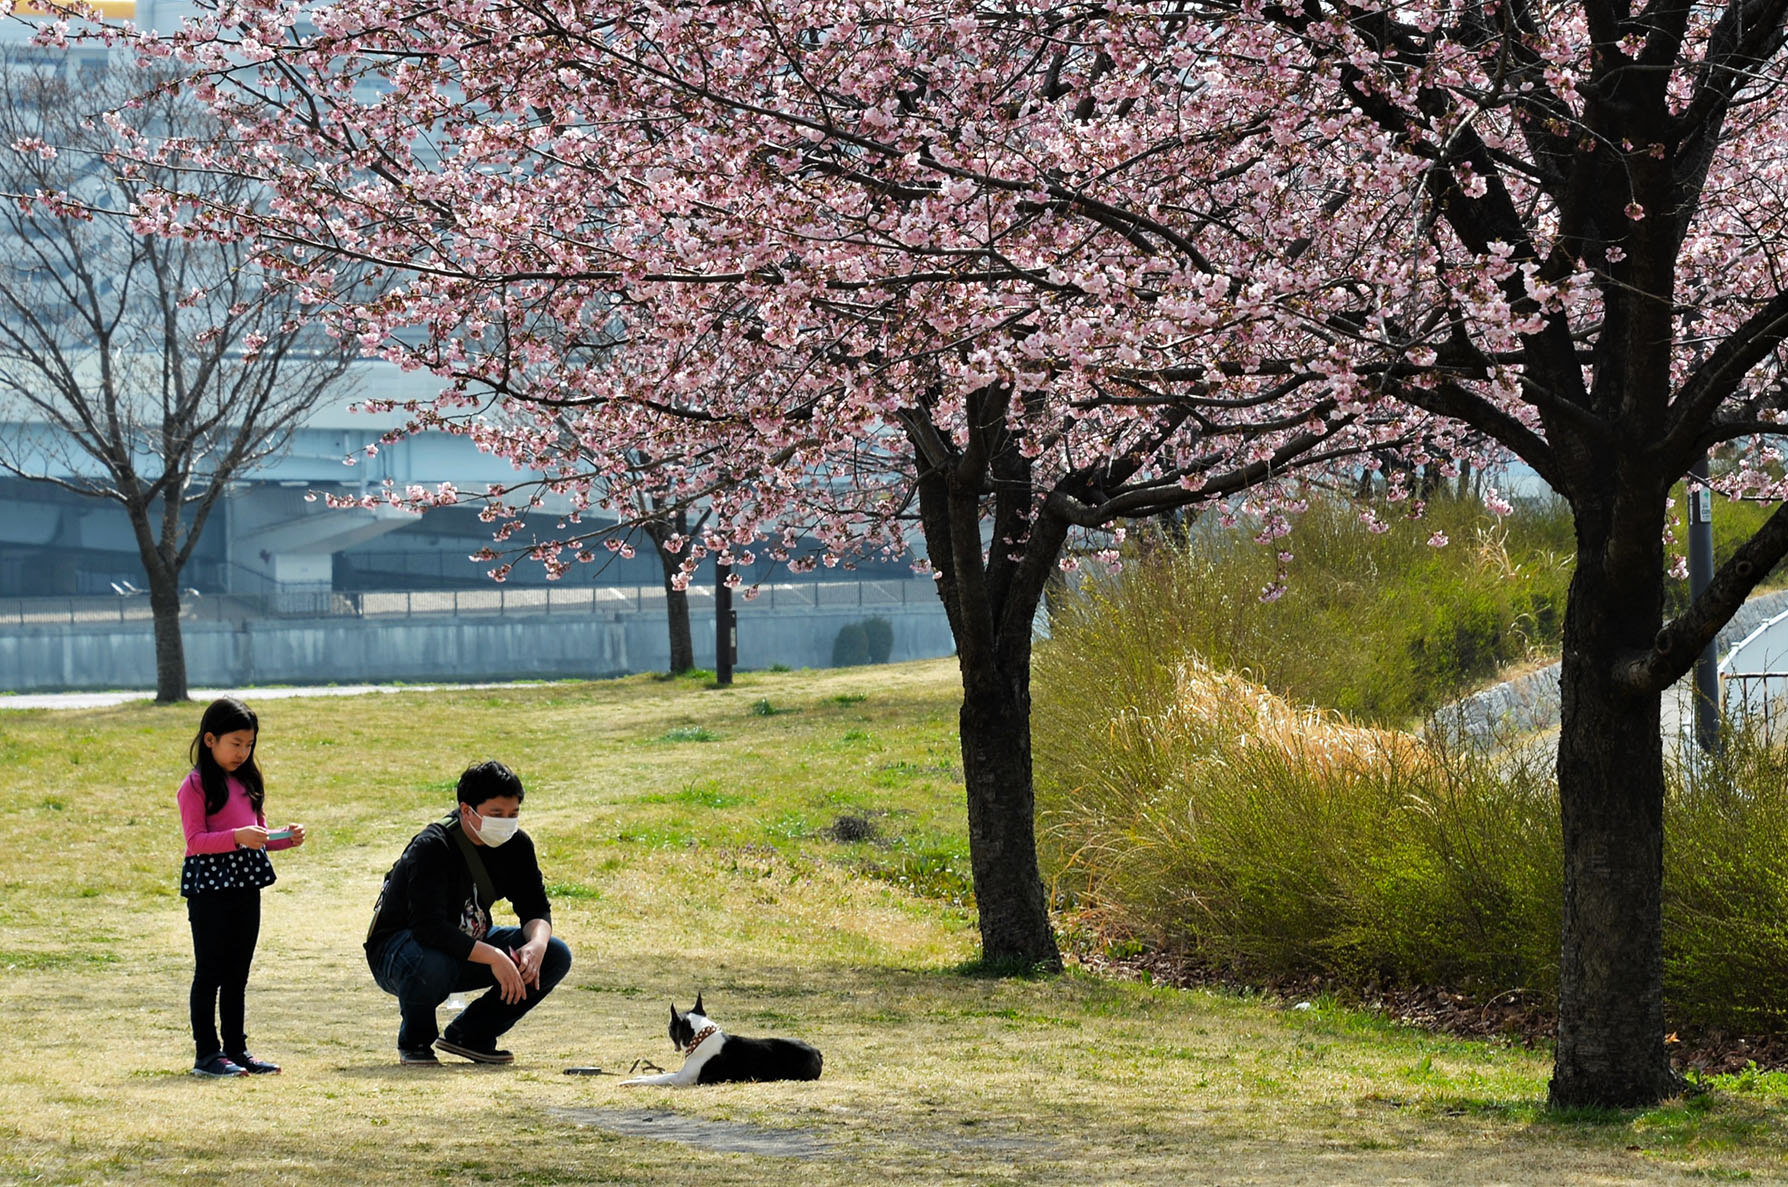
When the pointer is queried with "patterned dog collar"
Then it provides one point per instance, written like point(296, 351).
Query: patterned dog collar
point(701, 1036)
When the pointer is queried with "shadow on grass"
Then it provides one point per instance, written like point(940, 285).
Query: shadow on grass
point(985, 969)
point(398, 1073)
point(1708, 1119)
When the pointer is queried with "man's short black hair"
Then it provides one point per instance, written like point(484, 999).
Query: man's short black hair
point(488, 780)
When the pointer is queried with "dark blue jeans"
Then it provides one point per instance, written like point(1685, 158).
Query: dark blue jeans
point(421, 978)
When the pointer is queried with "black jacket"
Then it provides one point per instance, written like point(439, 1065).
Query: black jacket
point(430, 890)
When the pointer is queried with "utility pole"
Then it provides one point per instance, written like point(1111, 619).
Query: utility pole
point(726, 626)
point(1707, 664)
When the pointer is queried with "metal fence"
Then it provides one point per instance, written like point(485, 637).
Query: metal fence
point(494, 600)
point(1758, 700)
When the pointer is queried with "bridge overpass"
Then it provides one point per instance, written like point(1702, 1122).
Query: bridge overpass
point(270, 531)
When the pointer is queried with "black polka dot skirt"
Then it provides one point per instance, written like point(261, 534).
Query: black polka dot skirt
point(239, 869)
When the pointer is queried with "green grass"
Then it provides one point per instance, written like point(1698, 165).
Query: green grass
point(689, 733)
point(712, 867)
point(1734, 522)
point(1380, 625)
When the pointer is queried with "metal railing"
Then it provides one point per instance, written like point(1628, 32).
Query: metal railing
point(635, 599)
point(1759, 700)
point(74, 611)
point(495, 600)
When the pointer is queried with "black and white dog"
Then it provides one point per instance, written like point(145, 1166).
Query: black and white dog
point(710, 1056)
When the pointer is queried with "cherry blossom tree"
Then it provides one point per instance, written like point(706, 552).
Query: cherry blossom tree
point(1026, 271)
point(1604, 259)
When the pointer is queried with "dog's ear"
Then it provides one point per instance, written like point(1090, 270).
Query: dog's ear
point(698, 1005)
point(674, 1014)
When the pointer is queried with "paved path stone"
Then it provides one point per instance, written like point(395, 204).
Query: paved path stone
point(727, 1137)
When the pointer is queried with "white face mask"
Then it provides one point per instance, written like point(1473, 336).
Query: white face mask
point(494, 830)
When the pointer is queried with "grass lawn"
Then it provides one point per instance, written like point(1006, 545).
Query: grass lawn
point(692, 840)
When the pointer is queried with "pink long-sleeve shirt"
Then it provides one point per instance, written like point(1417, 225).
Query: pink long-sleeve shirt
point(216, 833)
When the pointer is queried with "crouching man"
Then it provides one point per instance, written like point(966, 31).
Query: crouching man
point(432, 935)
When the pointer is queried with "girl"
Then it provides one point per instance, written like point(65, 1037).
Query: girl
point(226, 865)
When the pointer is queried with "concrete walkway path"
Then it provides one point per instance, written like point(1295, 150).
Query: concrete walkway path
point(105, 700)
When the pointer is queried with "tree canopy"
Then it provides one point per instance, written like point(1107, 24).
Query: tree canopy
point(148, 372)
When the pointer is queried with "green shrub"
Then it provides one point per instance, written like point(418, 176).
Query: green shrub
point(1225, 826)
point(870, 641)
point(1381, 626)
point(1234, 835)
point(1726, 890)
point(850, 647)
point(1301, 847)
point(878, 634)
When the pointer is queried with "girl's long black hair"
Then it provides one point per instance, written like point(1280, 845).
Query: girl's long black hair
point(223, 716)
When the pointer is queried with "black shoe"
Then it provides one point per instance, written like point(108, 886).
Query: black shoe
point(253, 1066)
point(417, 1057)
point(218, 1067)
point(477, 1053)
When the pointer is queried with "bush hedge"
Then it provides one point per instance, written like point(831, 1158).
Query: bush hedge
point(1190, 808)
point(878, 637)
point(869, 641)
point(850, 646)
point(1380, 625)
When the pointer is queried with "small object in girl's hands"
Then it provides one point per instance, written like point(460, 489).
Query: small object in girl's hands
point(279, 834)
point(583, 1071)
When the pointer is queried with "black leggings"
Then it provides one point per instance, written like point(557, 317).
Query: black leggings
point(225, 926)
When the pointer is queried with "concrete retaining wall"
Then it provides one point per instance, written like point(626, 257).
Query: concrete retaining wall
point(463, 648)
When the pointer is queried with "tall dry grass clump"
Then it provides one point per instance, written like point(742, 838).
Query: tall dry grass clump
point(1726, 888)
point(1229, 824)
point(1195, 811)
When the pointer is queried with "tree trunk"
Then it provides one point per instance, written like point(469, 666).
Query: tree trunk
point(991, 602)
point(996, 766)
point(676, 601)
point(170, 648)
point(1611, 797)
point(682, 640)
point(162, 560)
